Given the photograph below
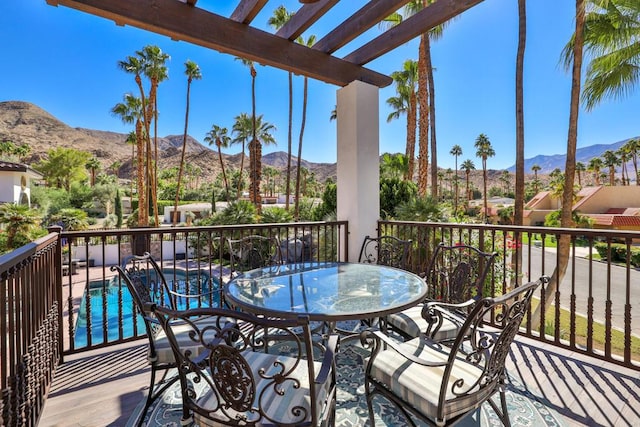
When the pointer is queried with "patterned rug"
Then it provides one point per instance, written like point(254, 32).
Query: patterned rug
point(525, 409)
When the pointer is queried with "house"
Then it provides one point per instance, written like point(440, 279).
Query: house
point(616, 207)
point(15, 182)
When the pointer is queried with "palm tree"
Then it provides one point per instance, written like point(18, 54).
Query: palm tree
point(518, 211)
point(611, 160)
point(611, 33)
point(595, 164)
point(426, 97)
point(456, 151)
point(132, 140)
point(505, 179)
point(624, 156)
point(393, 166)
point(131, 111)
point(243, 130)
point(406, 102)
point(535, 168)
point(192, 71)
point(280, 17)
point(155, 70)
point(218, 136)
point(566, 213)
point(467, 166)
point(93, 165)
point(309, 42)
point(580, 168)
point(633, 148)
point(18, 220)
point(484, 150)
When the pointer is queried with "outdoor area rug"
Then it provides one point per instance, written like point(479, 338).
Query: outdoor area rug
point(525, 409)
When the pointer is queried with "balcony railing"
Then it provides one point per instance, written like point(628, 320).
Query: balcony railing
point(596, 308)
point(62, 297)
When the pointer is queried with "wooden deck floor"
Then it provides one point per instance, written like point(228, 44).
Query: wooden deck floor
point(102, 388)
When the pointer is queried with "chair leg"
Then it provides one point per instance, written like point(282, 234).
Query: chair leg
point(505, 412)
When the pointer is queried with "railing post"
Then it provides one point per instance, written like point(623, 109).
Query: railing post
point(58, 288)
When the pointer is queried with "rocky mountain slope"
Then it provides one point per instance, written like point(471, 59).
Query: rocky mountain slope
point(25, 123)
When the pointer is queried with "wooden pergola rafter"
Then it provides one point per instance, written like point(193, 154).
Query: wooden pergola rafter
point(235, 35)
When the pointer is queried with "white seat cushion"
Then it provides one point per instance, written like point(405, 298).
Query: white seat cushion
point(411, 322)
point(278, 406)
point(420, 385)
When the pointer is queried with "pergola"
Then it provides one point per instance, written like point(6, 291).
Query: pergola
point(357, 100)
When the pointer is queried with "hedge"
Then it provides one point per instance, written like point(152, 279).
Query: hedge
point(619, 253)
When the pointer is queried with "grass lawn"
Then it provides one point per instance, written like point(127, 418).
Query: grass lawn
point(617, 337)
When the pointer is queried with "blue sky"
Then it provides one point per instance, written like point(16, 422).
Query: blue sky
point(65, 61)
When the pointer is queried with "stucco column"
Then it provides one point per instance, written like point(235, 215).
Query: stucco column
point(358, 162)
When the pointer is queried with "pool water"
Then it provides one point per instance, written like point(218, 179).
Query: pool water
point(107, 294)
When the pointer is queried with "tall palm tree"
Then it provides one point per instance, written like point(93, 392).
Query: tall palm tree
point(624, 155)
point(518, 211)
point(566, 212)
point(243, 131)
point(467, 166)
point(426, 97)
point(456, 151)
point(218, 136)
point(92, 165)
point(192, 71)
point(280, 17)
point(484, 150)
point(505, 179)
point(132, 140)
point(535, 168)
point(156, 71)
point(611, 160)
point(406, 103)
point(309, 42)
point(580, 168)
point(132, 111)
point(633, 146)
point(255, 149)
point(595, 164)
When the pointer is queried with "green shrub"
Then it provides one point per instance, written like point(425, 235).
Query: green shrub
point(618, 253)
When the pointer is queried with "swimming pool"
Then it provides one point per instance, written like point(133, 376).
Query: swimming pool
point(103, 306)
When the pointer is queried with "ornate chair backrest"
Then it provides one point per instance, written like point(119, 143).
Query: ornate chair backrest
point(484, 348)
point(385, 250)
point(144, 279)
point(457, 273)
point(250, 252)
point(240, 382)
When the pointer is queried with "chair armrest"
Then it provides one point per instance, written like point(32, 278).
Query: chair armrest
point(375, 338)
point(179, 295)
point(328, 360)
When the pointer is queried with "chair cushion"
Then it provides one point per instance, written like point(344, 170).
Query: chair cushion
point(420, 385)
point(164, 353)
point(280, 407)
point(411, 322)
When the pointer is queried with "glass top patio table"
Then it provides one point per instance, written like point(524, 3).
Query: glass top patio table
point(326, 291)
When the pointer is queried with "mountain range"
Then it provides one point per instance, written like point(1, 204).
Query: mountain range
point(25, 123)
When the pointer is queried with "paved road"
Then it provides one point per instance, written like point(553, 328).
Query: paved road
point(599, 291)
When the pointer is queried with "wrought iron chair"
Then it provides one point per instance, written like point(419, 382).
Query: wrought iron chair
point(455, 274)
point(385, 250)
point(147, 284)
point(250, 252)
point(442, 383)
point(237, 378)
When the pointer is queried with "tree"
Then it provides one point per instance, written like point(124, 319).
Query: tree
point(595, 164)
point(93, 165)
point(467, 166)
point(280, 17)
point(484, 150)
point(64, 166)
point(518, 211)
point(536, 168)
point(624, 155)
point(393, 166)
point(192, 71)
point(131, 112)
point(406, 103)
point(633, 147)
point(580, 168)
point(610, 33)
point(218, 136)
point(505, 179)
point(118, 209)
point(309, 42)
point(610, 160)
point(19, 221)
point(155, 70)
point(456, 151)
point(566, 216)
